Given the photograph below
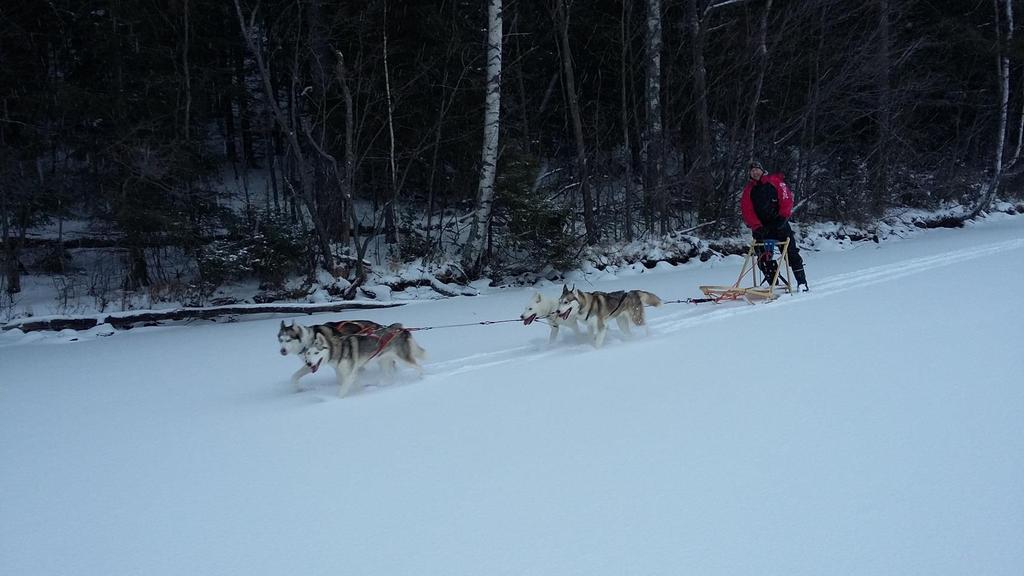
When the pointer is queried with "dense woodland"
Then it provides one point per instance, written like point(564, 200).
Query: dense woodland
point(486, 133)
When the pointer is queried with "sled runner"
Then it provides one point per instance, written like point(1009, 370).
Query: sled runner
point(767, 274)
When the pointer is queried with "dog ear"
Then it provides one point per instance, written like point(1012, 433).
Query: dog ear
point(537, 297)
point(321, 341)
point(565, 289)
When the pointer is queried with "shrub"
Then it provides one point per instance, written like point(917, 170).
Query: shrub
point(275, 251)
point(536, 228)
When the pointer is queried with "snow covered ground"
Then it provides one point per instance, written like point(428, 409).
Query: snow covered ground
point(872, 426)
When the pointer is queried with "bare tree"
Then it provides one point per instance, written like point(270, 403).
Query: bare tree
point(305, 169)
point(1003, 62)
point(885, 111)
point(448, 95)
point(762, 66)
point(187, 72)
point(12, 271)
point(697, 13)
point(562, 18)
point(628, 149)
point(473, 250)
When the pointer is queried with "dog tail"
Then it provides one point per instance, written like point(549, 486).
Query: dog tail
point(417, 351)
point(649, 299)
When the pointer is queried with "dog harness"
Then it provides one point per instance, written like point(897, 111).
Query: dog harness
point(363, 330)
point(620, 294)
point(383, 341)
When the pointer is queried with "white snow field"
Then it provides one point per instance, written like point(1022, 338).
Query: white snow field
point(872, 426)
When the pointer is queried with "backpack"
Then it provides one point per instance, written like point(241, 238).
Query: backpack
point(785, 196)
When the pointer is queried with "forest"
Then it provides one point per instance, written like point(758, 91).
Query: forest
point(206, 142)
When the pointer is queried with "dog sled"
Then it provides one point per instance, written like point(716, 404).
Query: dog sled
point(767, 276)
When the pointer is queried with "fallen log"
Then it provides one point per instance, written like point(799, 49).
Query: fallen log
point(398, 284)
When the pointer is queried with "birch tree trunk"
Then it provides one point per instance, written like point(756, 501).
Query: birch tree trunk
point(473, 250)
point(1004, 98)
point(702, 176)
point(653, 146)
point(390, 221)
point(348, 206)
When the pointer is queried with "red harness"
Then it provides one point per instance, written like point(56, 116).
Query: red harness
point(368, 330)
point(363, 330)
point(384, 340)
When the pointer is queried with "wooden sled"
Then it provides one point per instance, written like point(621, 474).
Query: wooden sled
point(761, 289)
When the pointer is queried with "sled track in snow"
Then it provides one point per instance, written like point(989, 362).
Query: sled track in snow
point(694, 316)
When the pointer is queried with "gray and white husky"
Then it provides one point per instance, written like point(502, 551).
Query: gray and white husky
point(544, 308)
point(347, 354)
point(296, 338)
point(596, 309)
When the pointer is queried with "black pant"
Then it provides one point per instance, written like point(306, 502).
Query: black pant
point(780, 235)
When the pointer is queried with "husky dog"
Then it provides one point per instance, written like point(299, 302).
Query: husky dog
point(296, 338)
point(544, 308)
point(347, 354)
point(596, 309)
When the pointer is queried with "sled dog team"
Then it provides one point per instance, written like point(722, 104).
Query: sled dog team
point(350, 345)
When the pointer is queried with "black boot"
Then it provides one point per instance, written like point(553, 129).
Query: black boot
point(801, 280)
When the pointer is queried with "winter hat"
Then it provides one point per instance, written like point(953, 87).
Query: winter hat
point(757, 164)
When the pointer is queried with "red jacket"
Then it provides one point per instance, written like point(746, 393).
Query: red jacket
point(766, 202)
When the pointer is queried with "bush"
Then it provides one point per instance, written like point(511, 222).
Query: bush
point(278, 251)
point(275, 251)
point(413, 244)
point(224, 260)
point(536, 229)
